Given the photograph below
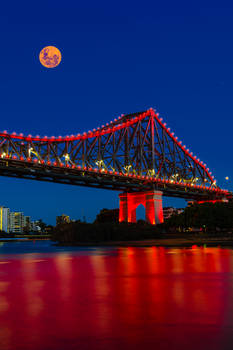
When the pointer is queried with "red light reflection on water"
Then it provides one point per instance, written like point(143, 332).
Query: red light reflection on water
point(169, 298)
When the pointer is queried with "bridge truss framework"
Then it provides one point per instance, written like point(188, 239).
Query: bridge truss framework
point(133, 153)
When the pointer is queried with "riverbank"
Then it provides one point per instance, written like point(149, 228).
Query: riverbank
point(166, 241)
point(137, 235)
point(21, 237)
point(34, 236)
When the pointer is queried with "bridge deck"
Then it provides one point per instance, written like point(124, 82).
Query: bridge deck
point(109, 180)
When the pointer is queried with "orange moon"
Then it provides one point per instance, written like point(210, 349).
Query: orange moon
point(50, 57)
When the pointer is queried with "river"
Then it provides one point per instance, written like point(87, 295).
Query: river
point(54, 298)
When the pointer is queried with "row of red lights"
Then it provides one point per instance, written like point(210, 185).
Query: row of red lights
point(142, 177)
point(105, 129)
point(183, 147)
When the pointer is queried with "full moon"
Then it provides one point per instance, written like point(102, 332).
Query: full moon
point(50, 57)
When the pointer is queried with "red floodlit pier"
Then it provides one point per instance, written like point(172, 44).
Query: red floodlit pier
point(136, 154)
point(152, 201)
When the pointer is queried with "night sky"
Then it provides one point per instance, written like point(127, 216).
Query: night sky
point(117, 57)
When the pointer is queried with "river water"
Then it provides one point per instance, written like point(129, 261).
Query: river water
point(54, 298)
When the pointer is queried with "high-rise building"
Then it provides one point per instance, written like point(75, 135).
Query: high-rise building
point(16, 222)
point(4, 219)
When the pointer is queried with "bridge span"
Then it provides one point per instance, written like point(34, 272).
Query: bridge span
point(136, 154)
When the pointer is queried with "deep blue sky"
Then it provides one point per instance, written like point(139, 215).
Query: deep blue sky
point(117, 57)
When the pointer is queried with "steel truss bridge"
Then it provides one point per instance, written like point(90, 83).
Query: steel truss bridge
point(133, 153)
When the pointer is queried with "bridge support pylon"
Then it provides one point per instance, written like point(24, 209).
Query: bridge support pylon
point(151, 200)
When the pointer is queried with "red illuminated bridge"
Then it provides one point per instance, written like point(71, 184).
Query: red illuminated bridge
point(136, 154)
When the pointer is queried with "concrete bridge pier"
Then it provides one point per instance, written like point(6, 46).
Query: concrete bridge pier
point(151, 200)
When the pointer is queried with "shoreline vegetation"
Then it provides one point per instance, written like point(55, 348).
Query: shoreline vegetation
point(13, 236)
point(204, 224)
point(135, 235)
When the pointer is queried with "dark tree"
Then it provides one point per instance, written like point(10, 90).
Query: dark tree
point(107, 215)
